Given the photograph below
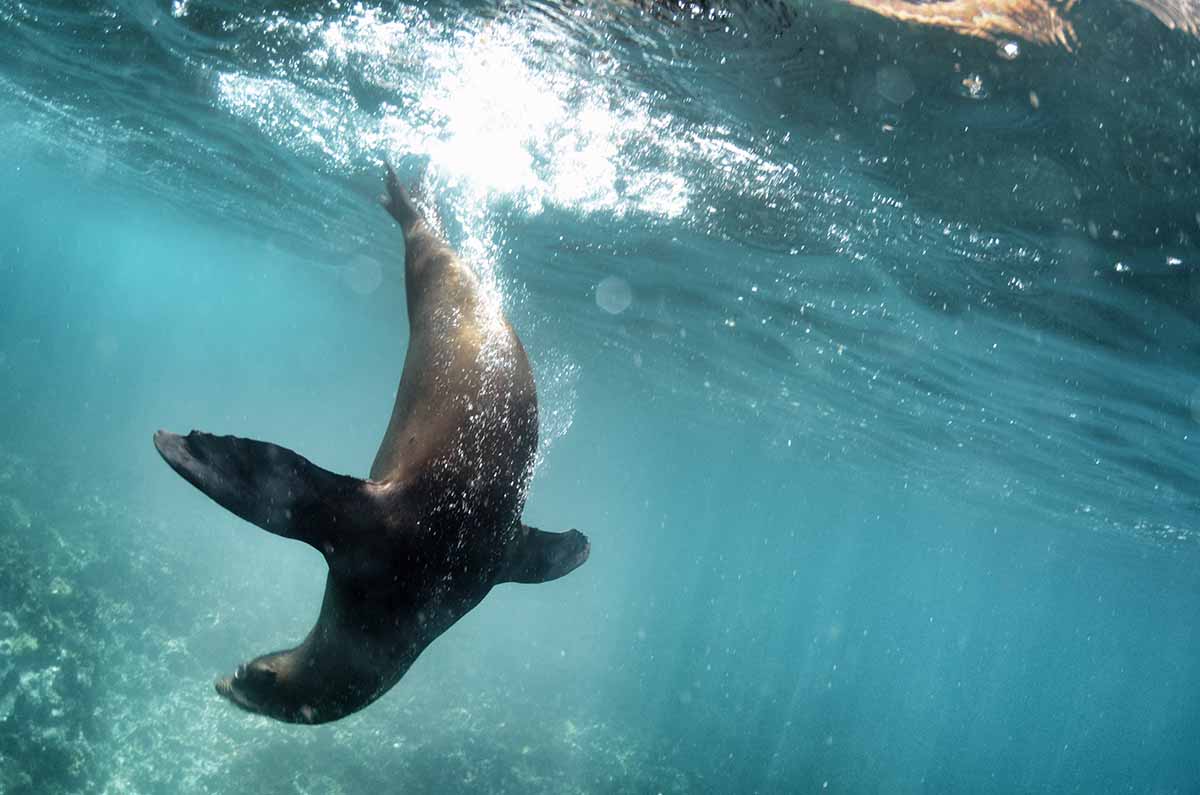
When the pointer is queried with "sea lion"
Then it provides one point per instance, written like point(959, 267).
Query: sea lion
point(415, 547)
point(1044, 22)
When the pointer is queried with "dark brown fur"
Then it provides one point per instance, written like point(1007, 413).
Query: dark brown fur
point(414, 548)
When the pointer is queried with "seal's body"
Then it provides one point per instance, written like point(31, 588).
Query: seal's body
point(414, 548)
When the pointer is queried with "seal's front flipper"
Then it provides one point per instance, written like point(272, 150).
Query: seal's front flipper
point(534, 556)
point(276, 489)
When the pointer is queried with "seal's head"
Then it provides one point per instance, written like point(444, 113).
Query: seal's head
point(260, 686)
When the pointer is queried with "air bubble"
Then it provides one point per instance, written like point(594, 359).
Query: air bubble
point(107, 346)
point(973, 87)
point(363, 275)
point(95, 164)
point(613, 295)
point(895, 84)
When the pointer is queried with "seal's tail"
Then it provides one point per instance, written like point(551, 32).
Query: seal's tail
point(278, 490)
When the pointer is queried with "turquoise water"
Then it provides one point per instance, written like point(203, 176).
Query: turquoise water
point(867, 358)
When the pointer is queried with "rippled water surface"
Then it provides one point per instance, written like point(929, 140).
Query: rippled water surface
point(867, 356)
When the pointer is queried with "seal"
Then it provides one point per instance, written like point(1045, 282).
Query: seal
point(416, 546)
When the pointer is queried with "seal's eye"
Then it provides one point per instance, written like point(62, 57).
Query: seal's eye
point(262, 675)
point(255, 678)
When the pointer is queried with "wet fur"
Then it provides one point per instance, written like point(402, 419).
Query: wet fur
point(417, 546)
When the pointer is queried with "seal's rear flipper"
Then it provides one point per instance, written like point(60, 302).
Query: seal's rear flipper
point(534, 556)
point(398, 203)
point(276, 489)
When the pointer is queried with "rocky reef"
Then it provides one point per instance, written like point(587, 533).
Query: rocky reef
point(106, 663)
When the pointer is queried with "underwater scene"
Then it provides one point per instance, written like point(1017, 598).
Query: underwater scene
point(866, 342)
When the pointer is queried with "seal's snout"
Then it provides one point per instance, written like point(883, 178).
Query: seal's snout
point(229, 688)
